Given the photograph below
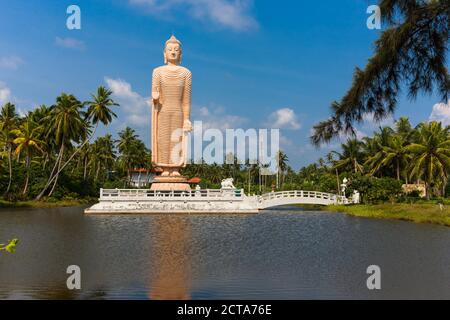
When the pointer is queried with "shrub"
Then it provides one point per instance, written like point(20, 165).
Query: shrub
point(374, 189)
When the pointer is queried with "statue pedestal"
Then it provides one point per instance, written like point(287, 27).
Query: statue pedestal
point(170, 183)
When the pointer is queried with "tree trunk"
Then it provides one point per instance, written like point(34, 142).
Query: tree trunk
point(398, 170)
point(85, 168)
point(57, 172)
point(50, 179)
point(97, 172)
point(10, 168)
point(60, 168)
point(337, 183)
point(27, 179)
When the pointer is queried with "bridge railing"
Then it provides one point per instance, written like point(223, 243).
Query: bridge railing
point(303, 194)
point(147, 194)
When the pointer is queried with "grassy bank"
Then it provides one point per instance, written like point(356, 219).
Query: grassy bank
point(418, 212)
point(50, 203)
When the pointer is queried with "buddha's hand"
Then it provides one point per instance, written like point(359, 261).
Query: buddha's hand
point(187, 125)
point(155, 97)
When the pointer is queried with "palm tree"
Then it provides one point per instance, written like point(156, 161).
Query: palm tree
point(351, 156)
point(282, 165)
point(98, 111)
point(66, 124)
point(403, 127)
point(99, 108)
point(393, 153)
point(410, 53)
point(28, 142)
point(8, 121)
point(125, 147)
point(431, 154)
point(103, 155)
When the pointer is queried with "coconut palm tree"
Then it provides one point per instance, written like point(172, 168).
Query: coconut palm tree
point(351, 156)
point(66, 124)
point(98, 111)
point(8, 122)
point(431, 154)
point(100, 107)
point(125, 145)
point(282, 165)
point(394, 153)
point(403, 127)
point(28, 142)
point(102, 156)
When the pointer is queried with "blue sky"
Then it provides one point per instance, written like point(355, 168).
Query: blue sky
point(255, 64)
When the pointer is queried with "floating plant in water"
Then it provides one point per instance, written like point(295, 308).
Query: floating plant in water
point(10, 247)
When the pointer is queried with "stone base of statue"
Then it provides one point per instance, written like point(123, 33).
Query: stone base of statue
point(170, 184)
point(146, 201)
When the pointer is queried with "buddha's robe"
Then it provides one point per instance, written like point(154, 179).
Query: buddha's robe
point(174, 84)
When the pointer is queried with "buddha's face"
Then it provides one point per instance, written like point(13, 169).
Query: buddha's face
point(173, 53)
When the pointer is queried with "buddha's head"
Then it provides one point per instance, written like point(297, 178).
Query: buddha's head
point(172, 51)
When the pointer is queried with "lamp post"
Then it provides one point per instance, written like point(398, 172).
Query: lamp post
point(344, 186)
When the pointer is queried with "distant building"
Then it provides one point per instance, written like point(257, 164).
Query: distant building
point(415, 187)
point(141, 178)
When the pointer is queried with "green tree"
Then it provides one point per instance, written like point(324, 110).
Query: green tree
point(66, 124)
point(283, 160)
point(126, 145)
point(8, 122)
point(431, 154)
point(351, 156)
point(98, 111)
point(410, 53)
point(393, 152)
point(27, 142)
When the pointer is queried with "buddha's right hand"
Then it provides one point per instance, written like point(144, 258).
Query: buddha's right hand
point(155, 97)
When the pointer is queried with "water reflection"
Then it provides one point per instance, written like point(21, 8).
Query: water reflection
point(171, 266)
point(284, 253)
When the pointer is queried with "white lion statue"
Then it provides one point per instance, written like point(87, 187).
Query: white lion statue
point(227, 183)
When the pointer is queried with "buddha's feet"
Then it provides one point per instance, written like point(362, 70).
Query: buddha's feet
point(175, 174)
point(165, 174)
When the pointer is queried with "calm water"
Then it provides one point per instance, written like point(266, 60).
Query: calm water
point(285, 253)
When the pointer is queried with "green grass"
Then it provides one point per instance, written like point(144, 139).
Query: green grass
point(49, 203)
point(417, 212)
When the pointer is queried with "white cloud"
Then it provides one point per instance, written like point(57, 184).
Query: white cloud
point(441, 113)
point(217, 118)
point(284, 118)
point(70, 43)
point(10, 62)
point(5, 93)
point(371, 124)
point(229, 14)
point(135, 107)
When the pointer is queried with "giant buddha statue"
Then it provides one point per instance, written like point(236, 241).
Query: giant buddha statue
point(171, 97)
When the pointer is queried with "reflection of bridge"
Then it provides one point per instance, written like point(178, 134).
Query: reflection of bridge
point(204, 201)
point(274, 199)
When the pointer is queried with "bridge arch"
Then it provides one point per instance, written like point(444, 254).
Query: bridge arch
point(274, 199)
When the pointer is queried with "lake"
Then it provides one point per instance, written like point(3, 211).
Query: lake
point(284, 253)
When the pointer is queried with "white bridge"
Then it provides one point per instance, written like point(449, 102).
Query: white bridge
point(204, 201)
point(274, 199)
